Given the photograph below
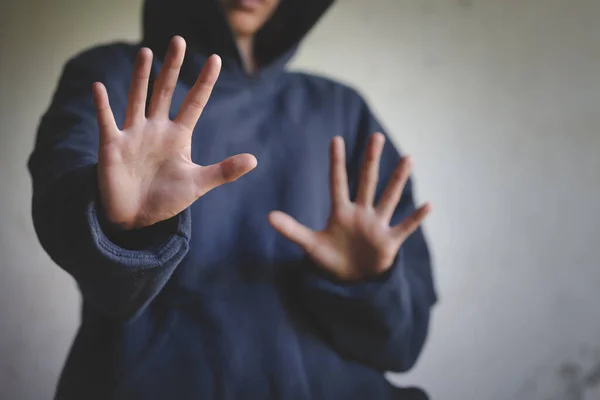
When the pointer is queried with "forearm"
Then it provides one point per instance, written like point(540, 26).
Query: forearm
point(382, 323)
point(117, 279)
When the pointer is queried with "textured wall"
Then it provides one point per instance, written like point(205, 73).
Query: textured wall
point(498, 101)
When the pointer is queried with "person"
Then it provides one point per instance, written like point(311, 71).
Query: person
point(307, 278)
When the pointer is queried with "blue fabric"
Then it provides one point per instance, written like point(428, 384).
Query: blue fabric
point(214, 304)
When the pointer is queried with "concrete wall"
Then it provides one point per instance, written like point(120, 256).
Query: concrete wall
point(498, 101)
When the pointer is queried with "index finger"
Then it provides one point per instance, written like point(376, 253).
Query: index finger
point(198, 96)
point(403, 230)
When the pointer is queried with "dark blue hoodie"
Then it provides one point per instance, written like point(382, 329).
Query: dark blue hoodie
point(213, 303)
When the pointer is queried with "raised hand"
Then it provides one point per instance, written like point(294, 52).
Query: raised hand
point(358, 242)
point(145, 170)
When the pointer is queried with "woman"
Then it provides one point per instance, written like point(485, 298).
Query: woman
point(186, 299)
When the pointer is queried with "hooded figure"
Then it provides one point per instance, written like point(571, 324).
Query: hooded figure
point(213, 303)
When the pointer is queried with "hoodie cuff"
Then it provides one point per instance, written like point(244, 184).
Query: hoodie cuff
point(146, 247)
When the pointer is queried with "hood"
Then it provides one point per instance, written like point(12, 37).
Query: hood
point(203, 24)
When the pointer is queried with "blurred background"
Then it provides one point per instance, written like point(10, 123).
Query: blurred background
point(499, 103)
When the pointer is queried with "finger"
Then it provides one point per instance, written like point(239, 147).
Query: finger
point(293, 230)
point(136, 104)
point(370, 171)
point(106, 120)
point(211, 176)
point(403, 230)
point(393, 191)
point(167, 79)
point(338, 174)
point(196, 99)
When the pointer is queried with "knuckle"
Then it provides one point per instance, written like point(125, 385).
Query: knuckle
point(141, 78)
point(204, 87)
point(165, 91)
point(196, 103)
point(338, 212)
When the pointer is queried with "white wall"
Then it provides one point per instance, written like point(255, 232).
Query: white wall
point(498, 101)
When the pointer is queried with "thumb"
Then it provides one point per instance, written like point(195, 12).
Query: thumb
point(209, 177)
point(293, 230)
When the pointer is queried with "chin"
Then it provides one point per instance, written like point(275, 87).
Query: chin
point(243, 23)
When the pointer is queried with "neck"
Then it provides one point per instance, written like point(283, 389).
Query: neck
point(245, 46)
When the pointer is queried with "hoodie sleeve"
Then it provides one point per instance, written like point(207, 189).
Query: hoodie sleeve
point(118, 273)
point(384, 322)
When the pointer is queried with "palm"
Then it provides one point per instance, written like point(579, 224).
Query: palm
point(145, 171)
point(160, 184)
point(354, 239)
point(357, 242)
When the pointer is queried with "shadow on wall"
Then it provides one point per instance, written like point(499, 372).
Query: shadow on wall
point(569, 381)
